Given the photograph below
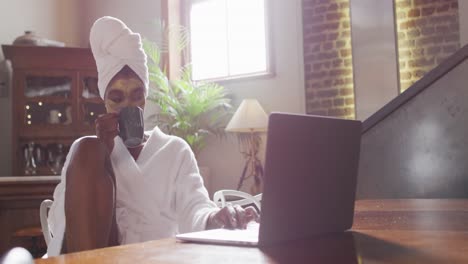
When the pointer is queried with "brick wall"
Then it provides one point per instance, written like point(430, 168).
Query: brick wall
point(428, 32)
point(327, 58)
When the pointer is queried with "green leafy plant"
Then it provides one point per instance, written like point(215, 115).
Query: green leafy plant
point(188, 109)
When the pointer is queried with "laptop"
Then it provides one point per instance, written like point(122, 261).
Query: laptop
point(311, 168)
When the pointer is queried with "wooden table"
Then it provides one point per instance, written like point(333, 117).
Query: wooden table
point(384, 231)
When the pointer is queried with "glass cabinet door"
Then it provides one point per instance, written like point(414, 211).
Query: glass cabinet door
point(42, 156)
point(47, 99)
point(89, 87)
point(54, 98)
point(47, 86)
point(47, 113)
point(90, 103)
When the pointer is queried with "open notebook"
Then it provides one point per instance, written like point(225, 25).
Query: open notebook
point(310, 182)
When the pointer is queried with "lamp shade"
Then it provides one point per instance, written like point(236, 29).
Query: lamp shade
point(249, 117)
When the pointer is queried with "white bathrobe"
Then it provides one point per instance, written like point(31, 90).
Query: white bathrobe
point(158, 195)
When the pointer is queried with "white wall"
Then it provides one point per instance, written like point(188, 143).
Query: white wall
point(139, 15)
point(284, 92)
point(52, 19)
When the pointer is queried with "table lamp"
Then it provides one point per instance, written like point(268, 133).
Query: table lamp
point(248, 122)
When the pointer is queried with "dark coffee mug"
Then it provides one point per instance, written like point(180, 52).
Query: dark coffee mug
point(131, 126)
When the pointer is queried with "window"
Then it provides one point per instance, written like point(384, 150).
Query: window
point(228, 38)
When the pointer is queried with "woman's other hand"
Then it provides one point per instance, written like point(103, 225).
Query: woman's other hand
point(107, 128)
point(232, 216)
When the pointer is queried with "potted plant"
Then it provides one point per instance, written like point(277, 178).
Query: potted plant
point(188, 109)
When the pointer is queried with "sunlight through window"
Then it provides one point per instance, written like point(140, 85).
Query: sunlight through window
point(228, 38)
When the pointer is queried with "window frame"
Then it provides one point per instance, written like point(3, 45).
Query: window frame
point(269, 54)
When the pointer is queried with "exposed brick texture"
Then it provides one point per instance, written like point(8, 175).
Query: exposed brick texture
point(327, 58)
point(428, 33)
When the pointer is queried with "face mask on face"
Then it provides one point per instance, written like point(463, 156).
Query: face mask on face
point(123, 92)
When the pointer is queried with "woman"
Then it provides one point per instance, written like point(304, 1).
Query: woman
point(111, 194)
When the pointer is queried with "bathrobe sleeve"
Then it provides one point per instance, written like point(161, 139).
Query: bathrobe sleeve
point(193, 205)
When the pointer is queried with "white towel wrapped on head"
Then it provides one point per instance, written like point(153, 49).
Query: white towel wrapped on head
point(114, 45)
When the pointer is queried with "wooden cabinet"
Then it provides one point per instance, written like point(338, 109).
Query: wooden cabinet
point(20, 198)
point(55, 101)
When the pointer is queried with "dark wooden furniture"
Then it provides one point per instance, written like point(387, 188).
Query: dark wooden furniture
point(30, 238)
point(385, 231)
point(20, 198)
point(55, 100)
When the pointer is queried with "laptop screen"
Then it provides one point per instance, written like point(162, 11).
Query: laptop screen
point(310, 176)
